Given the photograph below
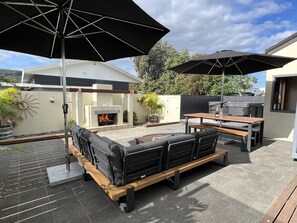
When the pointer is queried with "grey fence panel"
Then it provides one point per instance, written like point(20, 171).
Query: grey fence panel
point(195, 103)
point(200, 103)
point(244, 99)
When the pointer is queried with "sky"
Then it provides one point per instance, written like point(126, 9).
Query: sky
point(204, 26)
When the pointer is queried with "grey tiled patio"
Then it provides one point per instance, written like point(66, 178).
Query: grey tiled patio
point(239, 192)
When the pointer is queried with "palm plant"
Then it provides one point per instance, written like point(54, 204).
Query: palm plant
point(151, 102)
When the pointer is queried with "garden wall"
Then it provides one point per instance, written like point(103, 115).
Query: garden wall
point(49, 116)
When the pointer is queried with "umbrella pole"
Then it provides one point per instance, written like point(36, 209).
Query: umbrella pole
point(65, 105)
point(222, 91)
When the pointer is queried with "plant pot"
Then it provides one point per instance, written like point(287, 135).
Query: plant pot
point(5, 132)
point(152, 118)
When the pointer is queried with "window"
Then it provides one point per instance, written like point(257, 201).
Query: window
point(284, 94)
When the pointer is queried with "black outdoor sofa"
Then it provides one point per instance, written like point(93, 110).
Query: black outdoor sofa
point(122, 165)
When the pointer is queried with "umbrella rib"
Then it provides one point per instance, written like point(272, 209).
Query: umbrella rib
point(85, 34)
point(213, 65)
point(65, 3)
point(55, 36)
point(41, 12)
point(68, 15)
point(117, 19)
point(134, 47)
point(235, 63)
point(89, 24)
point(38, 28)
point(123, 41)
point(29, 19)
point(26, 4)
point(87, 39)
point(272, 64)
point(53, 3)
point(26, 21)
point(186, 70)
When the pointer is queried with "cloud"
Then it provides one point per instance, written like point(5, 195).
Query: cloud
point(125, 64)
point(4, 55)
point(208, 26)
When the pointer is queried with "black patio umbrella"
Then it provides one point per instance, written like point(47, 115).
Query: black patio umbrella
point(98, 30)
point(229, 62)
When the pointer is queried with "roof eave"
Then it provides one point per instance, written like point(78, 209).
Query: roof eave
point(282, 44)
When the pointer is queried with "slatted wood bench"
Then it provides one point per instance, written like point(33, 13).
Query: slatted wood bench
point(126, 193)
point(284, 209)
point(242, 133)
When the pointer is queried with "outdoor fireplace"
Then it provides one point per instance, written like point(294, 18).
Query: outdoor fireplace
point(107, 119)
point(104, 115)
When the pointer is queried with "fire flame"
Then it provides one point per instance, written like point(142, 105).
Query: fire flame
point(103, 118)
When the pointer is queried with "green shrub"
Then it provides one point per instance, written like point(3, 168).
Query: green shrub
point(125, 117)
point(70, 122)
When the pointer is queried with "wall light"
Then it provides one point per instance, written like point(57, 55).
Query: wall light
point(52, 99)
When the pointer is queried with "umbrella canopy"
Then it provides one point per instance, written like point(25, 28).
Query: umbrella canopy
point(99, 30)
point(228, 62)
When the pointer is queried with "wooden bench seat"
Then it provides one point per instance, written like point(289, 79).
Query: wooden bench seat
point(118, 192)
point(284, 209)
point(241, 133)
point(221, 129)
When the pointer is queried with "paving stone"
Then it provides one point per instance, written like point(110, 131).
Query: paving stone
point(239, 192)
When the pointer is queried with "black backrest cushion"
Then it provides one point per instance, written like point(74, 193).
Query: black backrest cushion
point(84, 136)
point(179, 150)
point(108, 155)
point(74, 129)
point(205, 142)
point(142, 160)
point(209, 131)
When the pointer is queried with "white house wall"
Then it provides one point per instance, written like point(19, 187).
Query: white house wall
point(87, 70)
point(279, 125)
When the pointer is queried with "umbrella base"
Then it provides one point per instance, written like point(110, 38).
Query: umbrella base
point(59, 175)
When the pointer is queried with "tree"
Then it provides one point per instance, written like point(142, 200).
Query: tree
point(10, 76)
point(152, 65)
point(172, 82)
point(154, 70)
point(233, 84)
point(198, 84)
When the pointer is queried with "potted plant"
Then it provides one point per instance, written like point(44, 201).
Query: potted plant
point(151, 102)
point(9, 112)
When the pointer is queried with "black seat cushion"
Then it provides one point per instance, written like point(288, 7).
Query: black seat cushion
point(179, 150)
point(108, 158)
point(142, 160)
point(205, 142)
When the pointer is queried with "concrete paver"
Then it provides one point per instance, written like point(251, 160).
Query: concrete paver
point(239, 192)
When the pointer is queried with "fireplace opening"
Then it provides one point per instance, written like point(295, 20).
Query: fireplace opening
point(107, 119)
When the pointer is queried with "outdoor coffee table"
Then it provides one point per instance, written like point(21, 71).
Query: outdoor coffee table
point(153, 137)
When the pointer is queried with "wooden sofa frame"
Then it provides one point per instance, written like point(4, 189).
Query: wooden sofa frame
point(125, 194)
